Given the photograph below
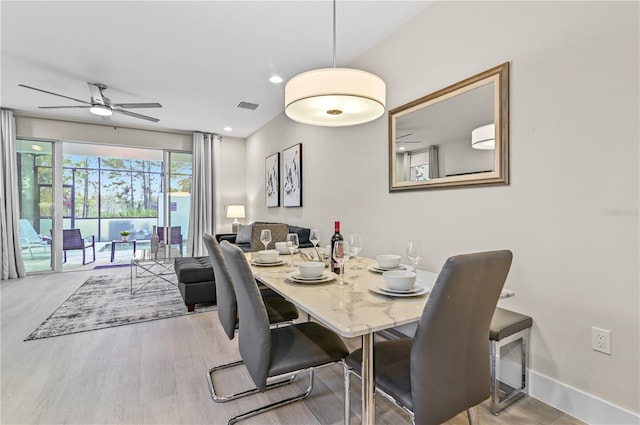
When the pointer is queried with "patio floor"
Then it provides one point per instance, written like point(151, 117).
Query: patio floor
point(41, 259)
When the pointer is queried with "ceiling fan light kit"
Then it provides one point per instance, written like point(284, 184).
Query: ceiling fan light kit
point(335, 97)
point(101, 110)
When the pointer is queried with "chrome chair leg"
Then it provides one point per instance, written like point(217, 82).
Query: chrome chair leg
point(388, 397)
point(500, 400)
point(286, 401)
point(225, 398)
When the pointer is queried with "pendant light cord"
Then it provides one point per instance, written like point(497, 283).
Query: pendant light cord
point(334, 33)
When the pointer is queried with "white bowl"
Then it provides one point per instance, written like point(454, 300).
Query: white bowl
point(399, 280)
point(282, 247)
point(268, 256)
point(311, 269)
point(388, 261)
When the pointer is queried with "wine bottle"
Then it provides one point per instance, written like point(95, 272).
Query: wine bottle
point(336, 237)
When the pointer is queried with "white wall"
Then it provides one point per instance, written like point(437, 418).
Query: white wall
point(570, 214)
point(459, 157)
point(230, 180)
point(70, 131)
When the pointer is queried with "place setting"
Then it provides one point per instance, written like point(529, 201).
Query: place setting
point(388, 262)
point(283, 249)
point(399, 279)
point(311, 272)
point(267, 258)
point(399, 283)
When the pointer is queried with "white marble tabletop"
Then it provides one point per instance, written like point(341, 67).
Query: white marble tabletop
point(351, 310)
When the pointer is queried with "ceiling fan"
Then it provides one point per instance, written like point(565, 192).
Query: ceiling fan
point(407, 141)
point(100, 104)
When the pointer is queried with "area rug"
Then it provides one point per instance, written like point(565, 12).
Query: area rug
point(106, 301)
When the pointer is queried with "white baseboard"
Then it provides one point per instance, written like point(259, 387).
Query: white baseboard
point(572, 401)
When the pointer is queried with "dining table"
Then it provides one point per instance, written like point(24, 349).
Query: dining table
point(360, 308)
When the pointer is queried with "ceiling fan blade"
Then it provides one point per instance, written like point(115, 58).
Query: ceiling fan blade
point(136, 105)
point(55, 94)
point(404, 135)
point(133, 114)
point(63, 107)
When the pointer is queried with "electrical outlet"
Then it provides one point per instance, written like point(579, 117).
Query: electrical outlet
point(601, 340)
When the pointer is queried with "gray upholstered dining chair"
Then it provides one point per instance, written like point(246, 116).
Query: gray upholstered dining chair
point(444, 369)
point(279, 311)
point(268, 353)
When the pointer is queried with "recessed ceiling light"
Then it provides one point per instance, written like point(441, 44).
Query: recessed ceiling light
point(401, 148)
point(275, 79)
point(227, 128)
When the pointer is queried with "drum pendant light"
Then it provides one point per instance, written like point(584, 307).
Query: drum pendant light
point(484, 137)
point(335, 97)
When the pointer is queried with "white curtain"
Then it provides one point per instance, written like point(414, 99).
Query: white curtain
point(201, 219)
point(12, 265)
point(434, 162)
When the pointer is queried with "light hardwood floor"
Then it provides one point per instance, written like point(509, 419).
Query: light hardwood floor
point(154, 372)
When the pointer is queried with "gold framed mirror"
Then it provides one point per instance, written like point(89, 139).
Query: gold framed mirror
point(454, 137)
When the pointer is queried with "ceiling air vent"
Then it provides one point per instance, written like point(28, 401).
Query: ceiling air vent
point(247, 105)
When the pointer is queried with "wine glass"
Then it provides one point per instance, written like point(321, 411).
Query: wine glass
point(414, 253)
point(265, 237)
point(292, 245)
point(355, 246)
point(341, 256)
point(314, 238)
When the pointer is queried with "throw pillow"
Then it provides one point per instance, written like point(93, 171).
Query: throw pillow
point(244, 233)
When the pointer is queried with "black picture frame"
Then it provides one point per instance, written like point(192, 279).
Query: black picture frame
point(292, 176)
point(272, 180)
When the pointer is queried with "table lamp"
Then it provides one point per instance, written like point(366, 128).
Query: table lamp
point(235, 212)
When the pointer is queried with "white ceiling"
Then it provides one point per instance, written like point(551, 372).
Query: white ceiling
point(198, 59)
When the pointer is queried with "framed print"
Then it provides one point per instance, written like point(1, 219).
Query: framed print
point(292, 166)
point(272, 180)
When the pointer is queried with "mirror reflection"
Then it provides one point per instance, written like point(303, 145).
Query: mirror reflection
point(454, 137)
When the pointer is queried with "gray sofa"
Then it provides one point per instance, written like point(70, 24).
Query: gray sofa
point(246, 238)
point(196, 280)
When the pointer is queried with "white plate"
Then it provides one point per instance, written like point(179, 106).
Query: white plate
point(376, 269)
point(297, 278)
point(373, 287)
point(417, 287)
point(297, 251)
point(257, 262)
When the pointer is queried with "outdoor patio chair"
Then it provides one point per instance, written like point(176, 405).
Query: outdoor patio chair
point(30, 239)
point(72, 239)
point(176, 236)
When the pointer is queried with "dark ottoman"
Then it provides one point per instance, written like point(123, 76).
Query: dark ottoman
point(195, 280)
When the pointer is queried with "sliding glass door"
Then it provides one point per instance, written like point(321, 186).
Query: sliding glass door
point(36, 185)
point(103, 191)
point(176, 198)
